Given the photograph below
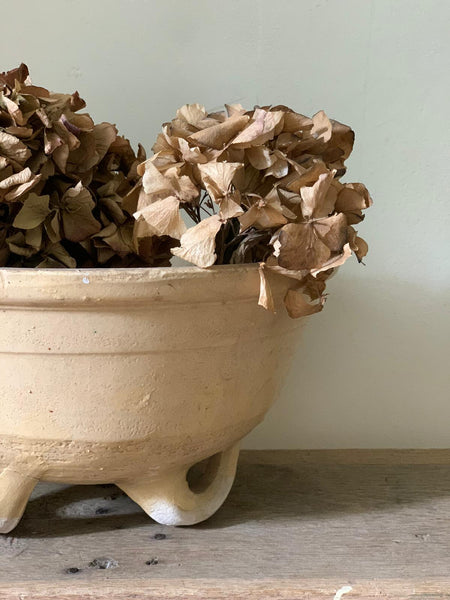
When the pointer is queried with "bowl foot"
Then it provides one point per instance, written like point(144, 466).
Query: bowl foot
point(15, 489)
point(187, 495)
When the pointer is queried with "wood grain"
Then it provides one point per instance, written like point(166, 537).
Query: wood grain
point(297, 525)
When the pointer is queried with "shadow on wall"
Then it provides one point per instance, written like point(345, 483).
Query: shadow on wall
point(370, 371)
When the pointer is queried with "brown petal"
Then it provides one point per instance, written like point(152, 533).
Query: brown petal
point(294, 122)
point(261, 129)
point(22, 189)
point(60, 253)
point(33, 237)
point(350, 199)
point(233, 109)
point(191, 154)
point(335, 261)
point(230, 206)
point(199, 242)
point(217, 177)
point(13, 110)
point(219, 135)
point(297, 304)
point(163, 218)
point(332, 231)
point(316, 200)
point(343, 137)
point(104, 135)
point(261, 157)
point(33, 212)
point(16, 179)
point(17, 244)
point(19, 132)
point(12, 148)
point(303, 176)
point(357, 244)
point(20, 74)
point(192, 113)
point(78, 221)
point(154, 182)
point(280, 168)
point(301, 248)
point(262, 216)
point(185, 189)
point(265, 293)
point(322, 127)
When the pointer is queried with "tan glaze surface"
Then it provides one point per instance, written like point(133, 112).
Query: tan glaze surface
point(132, 376)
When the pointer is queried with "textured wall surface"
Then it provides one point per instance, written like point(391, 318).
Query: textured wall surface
point(372, 370)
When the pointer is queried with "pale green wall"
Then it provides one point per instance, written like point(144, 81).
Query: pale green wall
point(373, 367)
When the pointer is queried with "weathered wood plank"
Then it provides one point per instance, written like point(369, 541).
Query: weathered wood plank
point(269, 589)
point(298, 524)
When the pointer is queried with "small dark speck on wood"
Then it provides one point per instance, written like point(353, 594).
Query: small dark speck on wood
point(152, 561)
point(102, 511)
point(104, 563)
point(72, 570)
point(159, 536)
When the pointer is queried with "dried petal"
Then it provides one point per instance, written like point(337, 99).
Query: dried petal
point(319, 199)
point(162, 218)
point(260, 130)
point(297, 304)
point(34, 211)
point(13, 148)
point(198, 243)
point(335, 261)
point(217, 177)
point(265, 293)
point(76, 211)
point(301, 248)
point(322, 127)
point(219, 135)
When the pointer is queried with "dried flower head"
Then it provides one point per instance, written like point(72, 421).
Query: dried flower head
point(259, 186)
point(62, 182)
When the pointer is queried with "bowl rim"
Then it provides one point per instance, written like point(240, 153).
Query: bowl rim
point(135, 286)
point(130, 271)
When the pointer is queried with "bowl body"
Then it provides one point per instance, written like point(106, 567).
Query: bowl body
point(111, 375)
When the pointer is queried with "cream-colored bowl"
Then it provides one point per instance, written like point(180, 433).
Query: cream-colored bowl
point(133, 376)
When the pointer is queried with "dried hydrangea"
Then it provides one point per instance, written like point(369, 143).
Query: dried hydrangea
point(62, 182)
point(260, 186)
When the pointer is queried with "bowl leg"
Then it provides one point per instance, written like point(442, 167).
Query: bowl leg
point(15, 490)
point(187, 495)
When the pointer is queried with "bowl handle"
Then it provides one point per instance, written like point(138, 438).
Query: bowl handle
point(183, 497)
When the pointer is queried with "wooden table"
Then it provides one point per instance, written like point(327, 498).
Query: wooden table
point(351, 524)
